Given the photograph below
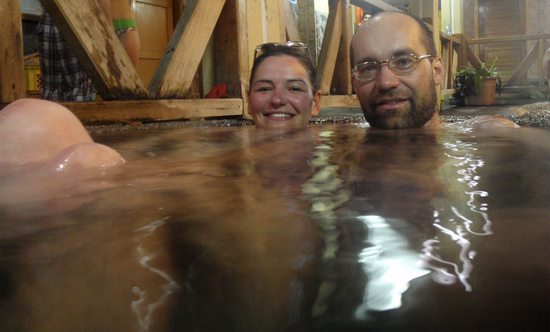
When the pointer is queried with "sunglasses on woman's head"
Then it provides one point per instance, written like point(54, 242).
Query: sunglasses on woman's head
point(269, 47)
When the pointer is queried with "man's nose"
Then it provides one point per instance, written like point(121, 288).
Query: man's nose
point(386, 78)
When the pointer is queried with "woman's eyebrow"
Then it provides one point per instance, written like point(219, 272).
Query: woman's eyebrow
point(292, 80)
point(265, 80)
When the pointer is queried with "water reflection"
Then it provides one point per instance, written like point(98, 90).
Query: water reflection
point(146, 305)
point(451, 221)
point(332, 228)
point(373, 218)
point(389, 263)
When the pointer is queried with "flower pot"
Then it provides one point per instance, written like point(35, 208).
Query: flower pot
point(487, 95)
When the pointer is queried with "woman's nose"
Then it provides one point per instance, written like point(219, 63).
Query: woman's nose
point(278, 97)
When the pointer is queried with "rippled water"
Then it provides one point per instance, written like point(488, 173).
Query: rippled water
point(337, 227)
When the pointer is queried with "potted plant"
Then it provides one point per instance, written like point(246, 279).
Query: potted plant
point(477, 87)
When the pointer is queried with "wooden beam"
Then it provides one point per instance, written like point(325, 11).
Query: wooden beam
point(473, 59)
point(524, 65)
point(276, 31)
point(180, 62)
point(12, 80)
point(347, 34)
point(367, 4)
point(540, 57)
point(437, 40)
point(243, 49)
point(251, 34)
point(292, 32)
point(255, 23)
point(339, 101)
point(509, 38)
point(341, 81)
point(463, 51)
point(307, 27)
point(125, 111)
point(330, 46)
point(92, 38)
point(226, 48)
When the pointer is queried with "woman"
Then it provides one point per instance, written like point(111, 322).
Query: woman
point(283, 89)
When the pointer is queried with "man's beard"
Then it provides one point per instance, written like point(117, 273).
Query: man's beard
point(421, 110)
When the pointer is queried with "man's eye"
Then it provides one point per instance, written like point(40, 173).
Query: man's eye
point(404, 62)
point(367, 68)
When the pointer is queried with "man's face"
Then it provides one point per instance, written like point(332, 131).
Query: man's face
point(390, 100)
point(281, 95)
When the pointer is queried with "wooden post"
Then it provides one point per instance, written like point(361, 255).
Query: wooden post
point(180, 62)
point(331, 44)
point(12, 81)
point(243, 51)
point(306, 26)
point(463, 51)
point(436, 36)
point(276, 31)
point(226, 50)
point(292, 32)
point(341, 81)
point(542, 74)
point(93, 40)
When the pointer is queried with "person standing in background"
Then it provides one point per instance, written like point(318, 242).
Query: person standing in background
point(62, 76)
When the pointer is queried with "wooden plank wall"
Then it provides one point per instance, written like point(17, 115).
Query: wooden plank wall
point(12, 81)
point(235, 26)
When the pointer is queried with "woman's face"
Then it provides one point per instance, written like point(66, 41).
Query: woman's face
point(281, 95)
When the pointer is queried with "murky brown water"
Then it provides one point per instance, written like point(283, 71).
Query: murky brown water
point(331, 228)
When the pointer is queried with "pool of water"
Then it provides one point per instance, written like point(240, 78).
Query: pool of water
point(337, 227)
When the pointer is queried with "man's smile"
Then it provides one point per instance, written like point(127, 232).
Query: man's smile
point(390, 104)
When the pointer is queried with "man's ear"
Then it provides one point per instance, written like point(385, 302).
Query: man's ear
point(438, 70)
point(316, 105)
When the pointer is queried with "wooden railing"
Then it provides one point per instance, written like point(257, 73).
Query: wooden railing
point(457, 52)
point(535, 54)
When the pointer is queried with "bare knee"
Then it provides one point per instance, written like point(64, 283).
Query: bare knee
point(34, 130)
point(85, 157)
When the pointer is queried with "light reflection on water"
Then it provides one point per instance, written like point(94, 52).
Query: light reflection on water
point(336, 227)
point(458, 227)
point(144, 307)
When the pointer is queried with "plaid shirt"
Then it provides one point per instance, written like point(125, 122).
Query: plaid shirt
point(62, 77)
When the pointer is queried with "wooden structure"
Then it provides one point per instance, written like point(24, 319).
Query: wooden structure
point(234, 26)
point(125, 98)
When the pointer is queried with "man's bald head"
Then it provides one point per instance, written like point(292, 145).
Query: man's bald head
point(426, 34)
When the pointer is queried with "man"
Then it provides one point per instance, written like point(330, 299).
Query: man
point(396, 71)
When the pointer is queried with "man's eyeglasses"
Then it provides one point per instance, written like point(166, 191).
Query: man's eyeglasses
point(399, 65)
point(270, 47)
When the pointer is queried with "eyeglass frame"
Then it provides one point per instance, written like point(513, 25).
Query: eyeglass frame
point(417, 58)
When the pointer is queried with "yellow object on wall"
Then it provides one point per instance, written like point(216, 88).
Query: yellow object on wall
point(32, 78)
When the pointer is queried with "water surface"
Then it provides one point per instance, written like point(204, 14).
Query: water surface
point(337, 227)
